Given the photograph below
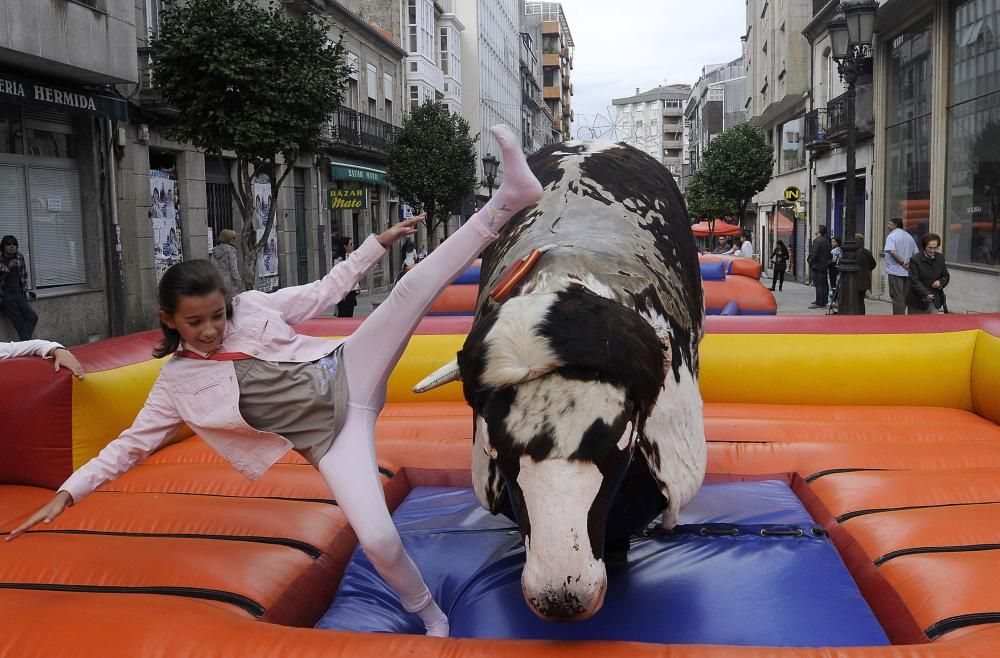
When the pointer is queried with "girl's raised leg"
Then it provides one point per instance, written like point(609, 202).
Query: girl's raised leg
point(372, 351)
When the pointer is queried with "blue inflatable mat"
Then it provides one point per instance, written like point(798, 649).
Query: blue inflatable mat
point(746, 566)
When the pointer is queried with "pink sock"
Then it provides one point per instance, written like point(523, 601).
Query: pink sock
point(519, 189)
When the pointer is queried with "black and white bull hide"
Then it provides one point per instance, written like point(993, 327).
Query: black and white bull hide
point(584, 382)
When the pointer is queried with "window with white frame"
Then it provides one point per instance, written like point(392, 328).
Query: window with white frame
point(40, 200)
point(372, 80)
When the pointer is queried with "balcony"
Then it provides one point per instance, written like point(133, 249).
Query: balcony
point(816, 129)
point(350, 128)
point(552, 93)
point(864, 116)
point(532, 100)
point(550, 59)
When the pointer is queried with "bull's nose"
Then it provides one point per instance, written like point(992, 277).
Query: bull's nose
point(564, 603)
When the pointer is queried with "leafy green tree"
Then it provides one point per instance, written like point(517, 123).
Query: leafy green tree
point(739, 163)
point(432, 161)
point(249, 80)
point(704, 201)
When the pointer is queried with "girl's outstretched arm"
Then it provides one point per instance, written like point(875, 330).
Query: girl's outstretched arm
point(300, 303)
point(156, 422)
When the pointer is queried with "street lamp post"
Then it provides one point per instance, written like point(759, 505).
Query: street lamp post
point(490, 164)
point(851, 32)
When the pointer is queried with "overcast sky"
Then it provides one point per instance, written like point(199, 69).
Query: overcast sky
point(624, 44)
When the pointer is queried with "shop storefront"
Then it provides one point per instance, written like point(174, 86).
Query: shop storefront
point(361, 202)
point(50, 192)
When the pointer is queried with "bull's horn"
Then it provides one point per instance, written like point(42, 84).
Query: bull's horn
point(444, 375)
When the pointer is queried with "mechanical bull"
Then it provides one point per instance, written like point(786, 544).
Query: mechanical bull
point(584, 380)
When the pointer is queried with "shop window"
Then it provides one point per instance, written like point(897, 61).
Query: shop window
point(908, 133)
point(793, 152)
point(50, 140)
point(40, 201)
point(11, 137)
point(972, 231)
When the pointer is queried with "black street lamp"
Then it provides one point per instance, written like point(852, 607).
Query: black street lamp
point(851, 32)
point(490, 165)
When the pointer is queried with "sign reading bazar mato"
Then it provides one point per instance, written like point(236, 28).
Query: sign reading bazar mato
point(351, 198)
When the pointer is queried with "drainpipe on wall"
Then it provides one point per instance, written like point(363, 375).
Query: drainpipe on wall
point(113, 239)
point(321, 225)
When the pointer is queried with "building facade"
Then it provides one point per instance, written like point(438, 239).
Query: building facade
point(716, 103)
point(557, 62)
point(825, 133)
point(102, 201)
point(491, 73)
point(937, 141)
point(59, 120)
point(653, 122)
point(777, 86)
point(537, 128)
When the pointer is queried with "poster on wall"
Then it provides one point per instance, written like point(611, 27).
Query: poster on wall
point(166, 217)
point(267, 257)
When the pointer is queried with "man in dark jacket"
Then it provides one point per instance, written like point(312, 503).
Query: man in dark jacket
point(866, 263)
point(928, 277)
point(819, 263)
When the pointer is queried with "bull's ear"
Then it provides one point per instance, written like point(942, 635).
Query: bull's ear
point(515, 349)
point(446, 374)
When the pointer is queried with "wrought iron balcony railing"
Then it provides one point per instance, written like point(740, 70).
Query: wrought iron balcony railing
point(815, 129)
point(348, 126)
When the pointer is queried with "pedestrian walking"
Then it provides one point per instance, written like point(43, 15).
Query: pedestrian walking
point(14, 290)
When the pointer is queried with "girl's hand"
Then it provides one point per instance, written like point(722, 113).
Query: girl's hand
point(401, 230)
point(46, 513)
point(64, 359)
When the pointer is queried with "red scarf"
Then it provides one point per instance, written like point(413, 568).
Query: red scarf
point(214, 356)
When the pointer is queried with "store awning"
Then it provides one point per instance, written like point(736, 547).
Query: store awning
point(36, 93)
point(356, 172)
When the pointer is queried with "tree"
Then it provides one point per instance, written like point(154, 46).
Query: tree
point(704, 201)
point(739, 163)
point(252, 81)
point(432, 161)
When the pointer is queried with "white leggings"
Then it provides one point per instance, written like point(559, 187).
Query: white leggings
point(370, 354)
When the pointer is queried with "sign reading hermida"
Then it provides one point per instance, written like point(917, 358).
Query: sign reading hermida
point(352, 198)
point(30, 92)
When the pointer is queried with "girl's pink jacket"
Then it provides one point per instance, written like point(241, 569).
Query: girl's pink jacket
point(205, 394)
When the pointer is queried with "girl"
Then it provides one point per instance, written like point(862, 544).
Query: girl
point(295, 391)
point(835, 253)
point(779, 263)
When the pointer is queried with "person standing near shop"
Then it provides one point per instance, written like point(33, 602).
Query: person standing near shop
point(928, 278)
point(899, 249)
point(866, 263)
point(819, 263)
point(14, 288)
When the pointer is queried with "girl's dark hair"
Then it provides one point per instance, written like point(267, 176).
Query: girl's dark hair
point(781, 243)
point(193, 278)
point(8, 239)
point(928, 238)
point(835, 239)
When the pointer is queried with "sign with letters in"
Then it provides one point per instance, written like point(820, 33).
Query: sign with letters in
point(792, 194)
point(351, 198)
